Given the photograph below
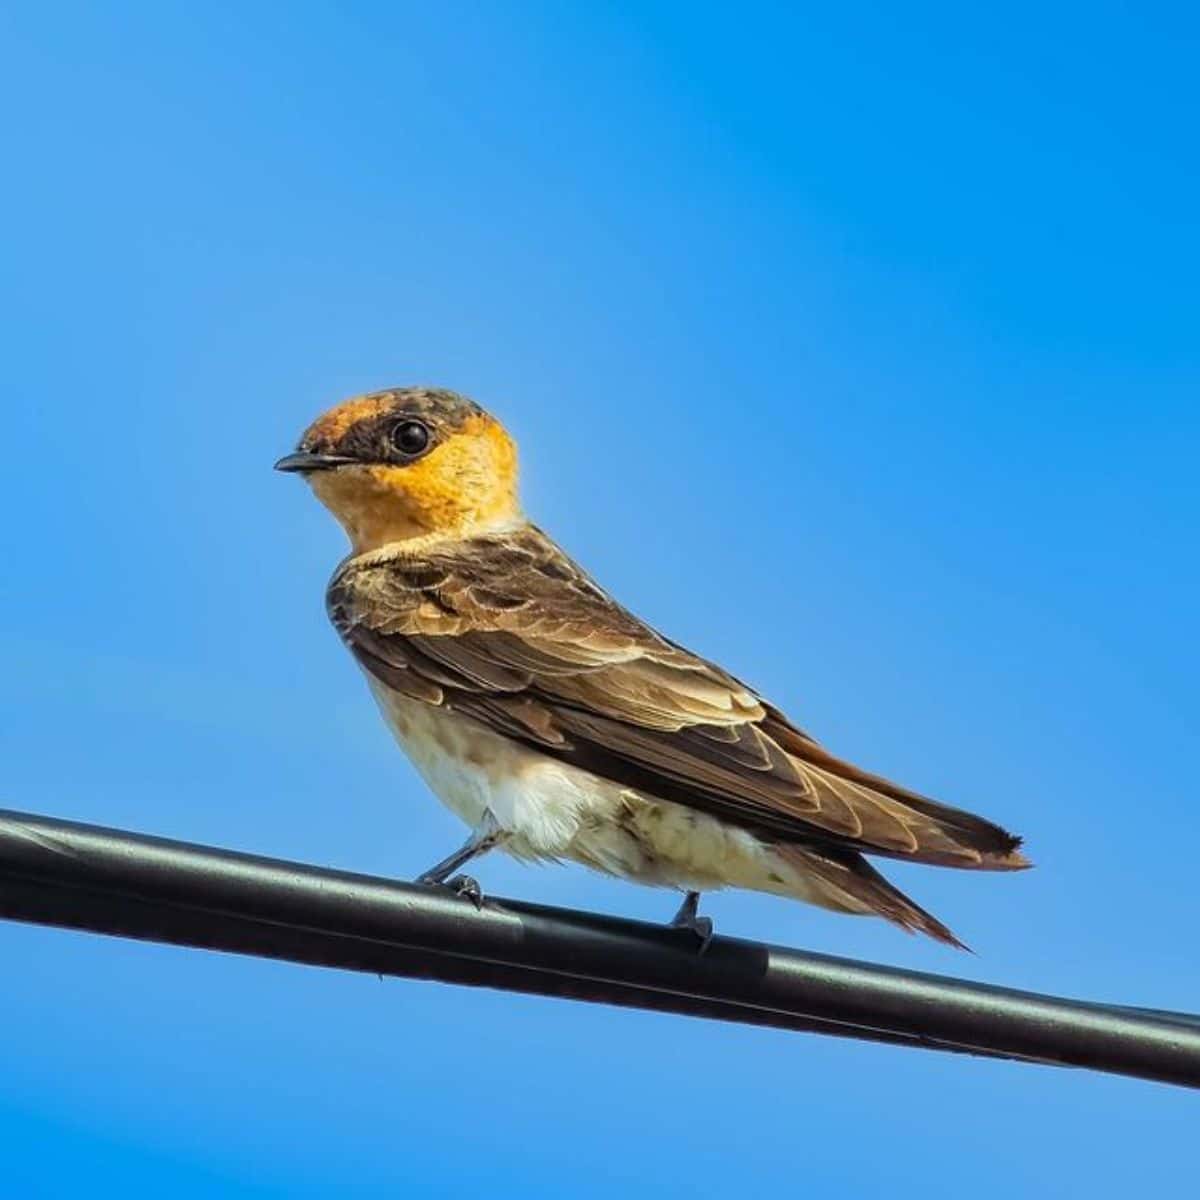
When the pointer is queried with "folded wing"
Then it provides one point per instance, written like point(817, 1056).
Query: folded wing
point(506, 629)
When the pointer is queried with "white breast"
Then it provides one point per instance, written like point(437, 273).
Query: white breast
point(469, 768)
point(552, 810)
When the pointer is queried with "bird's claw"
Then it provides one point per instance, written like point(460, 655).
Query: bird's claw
point(468, 887)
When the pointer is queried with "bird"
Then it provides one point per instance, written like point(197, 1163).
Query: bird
point(559, 726)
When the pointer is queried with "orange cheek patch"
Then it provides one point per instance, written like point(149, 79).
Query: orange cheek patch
point(470, 477)
point(439, 486)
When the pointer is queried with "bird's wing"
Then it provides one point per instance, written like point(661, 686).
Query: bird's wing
point(508, 630)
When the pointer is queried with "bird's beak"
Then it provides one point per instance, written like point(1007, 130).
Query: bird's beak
point(304, 463)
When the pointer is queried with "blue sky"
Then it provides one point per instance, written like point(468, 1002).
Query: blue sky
point(856, 348)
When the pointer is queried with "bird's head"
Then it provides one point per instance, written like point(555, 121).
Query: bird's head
point(409, 463)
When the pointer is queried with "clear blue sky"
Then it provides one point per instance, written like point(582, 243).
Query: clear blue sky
point(856, 349)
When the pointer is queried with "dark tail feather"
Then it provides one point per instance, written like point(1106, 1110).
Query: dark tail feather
point(853, 885)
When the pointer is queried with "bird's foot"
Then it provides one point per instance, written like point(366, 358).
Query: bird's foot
point(466, 886)
point(689, 919)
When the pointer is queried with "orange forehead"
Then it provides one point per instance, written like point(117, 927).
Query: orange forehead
point(331, 425)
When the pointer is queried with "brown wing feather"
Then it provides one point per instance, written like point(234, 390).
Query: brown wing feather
point(508, 630)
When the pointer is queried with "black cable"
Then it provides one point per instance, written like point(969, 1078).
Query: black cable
point(87, 877)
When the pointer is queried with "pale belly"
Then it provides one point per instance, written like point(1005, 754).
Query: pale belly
point(553, 811)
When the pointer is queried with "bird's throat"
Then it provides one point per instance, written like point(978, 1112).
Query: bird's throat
point(376, 508)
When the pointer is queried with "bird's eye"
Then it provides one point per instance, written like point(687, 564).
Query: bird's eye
point(410, 437)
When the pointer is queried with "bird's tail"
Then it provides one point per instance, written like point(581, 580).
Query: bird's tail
point(884, 818)
point(845, 881)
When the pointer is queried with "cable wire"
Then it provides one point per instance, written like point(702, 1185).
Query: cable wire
point(86, 877)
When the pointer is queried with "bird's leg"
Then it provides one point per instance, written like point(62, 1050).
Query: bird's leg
point(689, 918)
point(486, 835)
